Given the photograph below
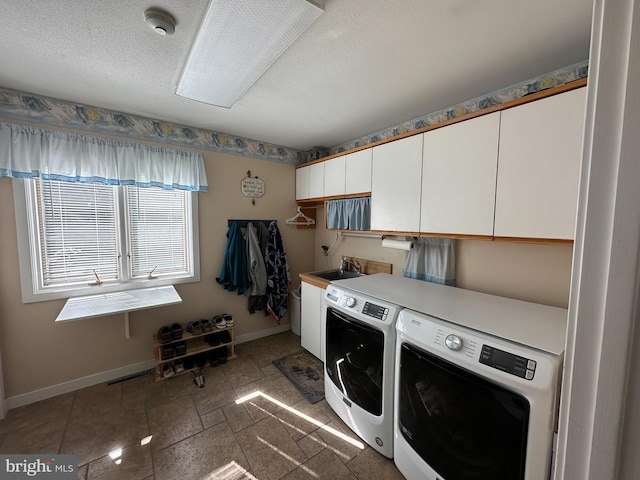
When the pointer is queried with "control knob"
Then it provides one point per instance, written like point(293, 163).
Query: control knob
point(454, 342)
point(351, 302)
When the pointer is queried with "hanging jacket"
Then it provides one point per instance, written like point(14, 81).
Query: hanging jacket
point(278, 275)
point(235, 274)
point(257, 269)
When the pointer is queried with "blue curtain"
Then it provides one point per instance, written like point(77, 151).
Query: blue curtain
point(31, 152)
point(349, 214)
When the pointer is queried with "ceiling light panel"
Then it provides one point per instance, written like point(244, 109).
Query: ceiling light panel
point(237, 42)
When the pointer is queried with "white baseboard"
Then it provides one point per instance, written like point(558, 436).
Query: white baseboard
point(72, 385)
point(247, 337)
point(77, 384)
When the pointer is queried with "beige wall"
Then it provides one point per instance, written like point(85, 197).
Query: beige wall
point(534, 273)
point(37, 353)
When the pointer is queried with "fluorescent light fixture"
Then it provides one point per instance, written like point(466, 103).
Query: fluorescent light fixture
point(237, 41)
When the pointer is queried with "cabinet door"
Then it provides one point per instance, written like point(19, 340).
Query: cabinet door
point(459, 177)
point(302, 183)
point(316, 180)
point(539, 167)
point(334, 176)
point(395, 185)
point(358, 172)
point(310, 319)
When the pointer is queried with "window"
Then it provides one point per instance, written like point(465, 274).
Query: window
point(88, 238)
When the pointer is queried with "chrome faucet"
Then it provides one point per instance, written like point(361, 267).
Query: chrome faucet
point(344, 265)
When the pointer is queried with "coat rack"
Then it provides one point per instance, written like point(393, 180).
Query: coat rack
point(243, 223)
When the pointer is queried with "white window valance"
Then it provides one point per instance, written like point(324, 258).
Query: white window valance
point(31, 152)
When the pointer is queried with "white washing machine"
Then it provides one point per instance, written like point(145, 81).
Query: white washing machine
point(359, 361)
point(477, 386)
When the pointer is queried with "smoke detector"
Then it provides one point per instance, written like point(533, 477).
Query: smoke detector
point(161, 22)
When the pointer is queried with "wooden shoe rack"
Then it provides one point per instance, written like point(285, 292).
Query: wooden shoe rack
point(196, 344)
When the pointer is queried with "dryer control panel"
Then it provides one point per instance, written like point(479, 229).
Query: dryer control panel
point(508, 362)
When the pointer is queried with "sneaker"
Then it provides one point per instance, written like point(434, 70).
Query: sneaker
point(198, 380)
point(219, 322)
point(228, 319)
point(178, 366)
point(167, 371)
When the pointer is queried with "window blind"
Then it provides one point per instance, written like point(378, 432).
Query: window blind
point(78, 232)
point(158, 231)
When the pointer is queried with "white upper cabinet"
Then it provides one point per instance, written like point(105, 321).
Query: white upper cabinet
point(459, 177)
point(316, 180)
point(395, 185)
point(302, 183)
point(334, 176)
point(539, 167)
point(358, 171)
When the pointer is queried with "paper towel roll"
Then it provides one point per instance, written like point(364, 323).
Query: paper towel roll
point(399, 244)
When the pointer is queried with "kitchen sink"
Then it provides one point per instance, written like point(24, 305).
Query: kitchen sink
point(336, 275)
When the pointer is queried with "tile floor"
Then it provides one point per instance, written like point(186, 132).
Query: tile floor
point(198, 433)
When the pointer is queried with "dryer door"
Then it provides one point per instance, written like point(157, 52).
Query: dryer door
point(463, 426)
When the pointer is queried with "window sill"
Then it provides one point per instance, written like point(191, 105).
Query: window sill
point(79, 308)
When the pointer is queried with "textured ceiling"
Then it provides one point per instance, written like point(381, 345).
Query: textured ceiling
point(364, 65)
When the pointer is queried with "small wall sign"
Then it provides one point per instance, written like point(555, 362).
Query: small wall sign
point(252, 186)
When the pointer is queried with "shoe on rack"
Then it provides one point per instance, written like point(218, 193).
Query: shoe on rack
point(201, 359)
point(164, 335)
point(206, 325)
point(188, 362)
point(219, 322)
point(181, 348)
point(213, 358)
point(176, 331)
point(228, 319)
point(194, 328)
point(167, 371)
point(225, 336)
point(223, 354)
point(167, 353)
point(213, 339)
point(178, 366)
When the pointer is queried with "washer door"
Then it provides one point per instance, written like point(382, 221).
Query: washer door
point(463, 426)
point(354, 360)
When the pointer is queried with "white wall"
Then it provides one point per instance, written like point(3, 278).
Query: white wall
point(600, 415)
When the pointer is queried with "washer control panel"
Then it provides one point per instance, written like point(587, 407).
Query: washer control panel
point(361, 306)
point(508, 362)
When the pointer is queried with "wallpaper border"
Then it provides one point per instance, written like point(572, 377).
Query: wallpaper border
point(46, 111)
point(543, 82)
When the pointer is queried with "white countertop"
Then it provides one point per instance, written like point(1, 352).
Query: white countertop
point(537, 326)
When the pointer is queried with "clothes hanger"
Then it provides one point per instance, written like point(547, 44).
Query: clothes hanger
point(300, 219)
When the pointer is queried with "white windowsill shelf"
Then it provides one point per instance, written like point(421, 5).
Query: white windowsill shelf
point(99, 305)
